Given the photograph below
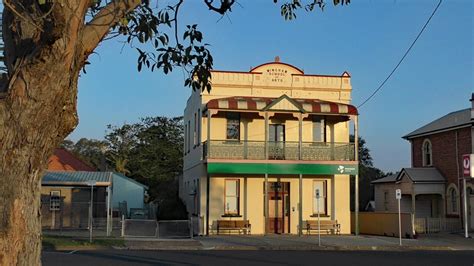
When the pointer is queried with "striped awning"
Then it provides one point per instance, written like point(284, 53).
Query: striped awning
point(260, 103)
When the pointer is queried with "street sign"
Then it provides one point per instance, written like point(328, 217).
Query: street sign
point(398, 194)
point(319, 217)
point(468, 165)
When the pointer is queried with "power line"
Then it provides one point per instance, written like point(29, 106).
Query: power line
point(401, 60)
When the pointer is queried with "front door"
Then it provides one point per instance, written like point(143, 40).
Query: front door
point(276, 142)
point(278, 221)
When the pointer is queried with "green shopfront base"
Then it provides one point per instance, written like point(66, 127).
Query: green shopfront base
point(276, 168)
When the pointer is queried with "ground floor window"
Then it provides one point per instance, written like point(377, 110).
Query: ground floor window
point(55, 200)
point(231, 190)
point(385, 200)
point(320, 186)
point(452, 199)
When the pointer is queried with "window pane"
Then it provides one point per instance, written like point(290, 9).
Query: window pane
point(231, 187)
point(233, 126)
point(231, 205)
point(318, 129)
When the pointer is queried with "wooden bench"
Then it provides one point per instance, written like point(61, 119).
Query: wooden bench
point(242, 226)
point(326, 225)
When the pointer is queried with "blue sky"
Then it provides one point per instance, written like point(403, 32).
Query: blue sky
point(366, 38)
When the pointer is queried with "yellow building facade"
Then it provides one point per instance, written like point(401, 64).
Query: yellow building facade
point(270, 146)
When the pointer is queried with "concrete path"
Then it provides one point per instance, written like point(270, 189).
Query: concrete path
point(346, 242)
point(291, 242)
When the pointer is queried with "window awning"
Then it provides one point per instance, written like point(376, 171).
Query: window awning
point(262, 103)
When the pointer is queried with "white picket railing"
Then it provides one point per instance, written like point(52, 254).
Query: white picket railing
point(430, 225)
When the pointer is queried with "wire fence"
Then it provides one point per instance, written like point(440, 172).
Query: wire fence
point(160, 229)
point(74, 215)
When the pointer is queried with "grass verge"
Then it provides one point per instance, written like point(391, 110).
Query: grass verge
point(61, 242)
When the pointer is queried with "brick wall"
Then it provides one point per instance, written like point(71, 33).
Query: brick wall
point(444, 151)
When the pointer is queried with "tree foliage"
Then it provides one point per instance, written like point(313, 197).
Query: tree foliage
point(365, 158)
point(367, 173)
point(90, 151)
point(149, 151)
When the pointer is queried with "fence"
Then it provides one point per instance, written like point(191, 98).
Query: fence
point(382, 223)
point(157, 229)
point(435, 225)
point(75, 215)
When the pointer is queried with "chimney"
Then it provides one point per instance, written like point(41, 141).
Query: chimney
point(472, 123)
point(472, 106)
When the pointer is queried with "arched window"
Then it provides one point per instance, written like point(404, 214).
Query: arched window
point(427, 153)
point(452, 199)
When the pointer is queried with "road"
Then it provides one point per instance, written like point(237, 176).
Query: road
point(228, 258)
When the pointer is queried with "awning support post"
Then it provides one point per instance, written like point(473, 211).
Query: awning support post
point(356, 185)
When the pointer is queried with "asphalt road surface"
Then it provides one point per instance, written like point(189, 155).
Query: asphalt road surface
point(228, 258)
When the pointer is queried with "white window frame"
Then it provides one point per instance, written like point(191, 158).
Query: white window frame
point(195, 139)
point(323, 199)
point(236, 195)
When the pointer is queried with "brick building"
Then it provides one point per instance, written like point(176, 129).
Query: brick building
point(436, 151)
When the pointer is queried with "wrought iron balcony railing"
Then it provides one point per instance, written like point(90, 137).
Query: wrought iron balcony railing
point(280, 150)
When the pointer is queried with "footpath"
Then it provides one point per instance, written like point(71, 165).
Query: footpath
point(291, 242)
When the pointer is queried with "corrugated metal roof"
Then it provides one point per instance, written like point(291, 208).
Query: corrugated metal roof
point(424, 174)
point(421, 175)
point(451, 120)
point(387, 179)
point(76, 178)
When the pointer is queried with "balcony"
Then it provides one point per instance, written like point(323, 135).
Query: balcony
point(282, 150)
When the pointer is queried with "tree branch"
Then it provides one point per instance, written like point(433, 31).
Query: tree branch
point(176, 21)
point(226, 5)
point(100, 25)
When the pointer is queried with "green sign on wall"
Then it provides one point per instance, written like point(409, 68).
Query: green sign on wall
point(270, 168)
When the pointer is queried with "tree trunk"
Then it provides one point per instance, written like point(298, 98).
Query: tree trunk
point(32, 124)
point(45, 49)
point(37, 111)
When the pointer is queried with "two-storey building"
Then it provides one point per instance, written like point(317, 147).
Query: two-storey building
point(261, 143)
point(433, 186)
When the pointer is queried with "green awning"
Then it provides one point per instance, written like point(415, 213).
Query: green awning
point(281, 168)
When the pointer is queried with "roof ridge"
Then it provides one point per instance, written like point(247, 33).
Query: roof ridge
point(415, 132)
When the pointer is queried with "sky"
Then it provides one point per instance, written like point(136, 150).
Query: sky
point(365, 38)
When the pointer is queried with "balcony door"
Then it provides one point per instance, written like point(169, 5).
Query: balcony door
point(276, 142)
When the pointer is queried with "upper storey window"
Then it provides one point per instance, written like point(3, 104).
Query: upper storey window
point(427, 153)
point(319, 132)
point(233, 126)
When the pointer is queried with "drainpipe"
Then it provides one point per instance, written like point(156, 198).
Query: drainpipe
point(457, 159)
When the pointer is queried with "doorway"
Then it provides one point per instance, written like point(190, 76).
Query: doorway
point(276, 142)
point(278, 221)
